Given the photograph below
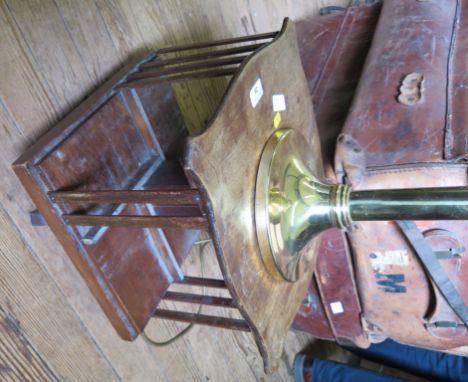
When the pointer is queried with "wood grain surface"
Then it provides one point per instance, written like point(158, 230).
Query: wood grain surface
point(53, 54)
point(234, 141)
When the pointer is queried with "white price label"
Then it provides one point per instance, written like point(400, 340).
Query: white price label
point(279, 102)
point(337, 307)
point(256, 93)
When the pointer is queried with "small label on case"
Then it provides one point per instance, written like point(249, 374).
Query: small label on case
point(337, 307)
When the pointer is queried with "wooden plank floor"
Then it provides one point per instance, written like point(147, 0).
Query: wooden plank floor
point(52, 54)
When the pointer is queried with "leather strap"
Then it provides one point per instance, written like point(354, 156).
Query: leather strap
point(434, 269)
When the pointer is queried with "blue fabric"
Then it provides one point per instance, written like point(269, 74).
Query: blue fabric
point(429, 364)
point(328, 371)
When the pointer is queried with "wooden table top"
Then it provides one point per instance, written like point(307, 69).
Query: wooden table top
point(223, 162)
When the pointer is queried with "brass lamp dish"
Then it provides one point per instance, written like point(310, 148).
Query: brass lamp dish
point(292, 205)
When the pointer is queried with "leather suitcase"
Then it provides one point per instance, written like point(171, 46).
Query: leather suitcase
point(389, 141)
point(333, 48)
point(405, 128)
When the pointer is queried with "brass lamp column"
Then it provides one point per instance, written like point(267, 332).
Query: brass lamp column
point(292, 206)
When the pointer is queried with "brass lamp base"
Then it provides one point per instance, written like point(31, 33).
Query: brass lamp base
point(292, 205)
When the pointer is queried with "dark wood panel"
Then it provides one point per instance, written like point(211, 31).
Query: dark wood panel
point(100, 146)
point(104, 152)
point(136, 270)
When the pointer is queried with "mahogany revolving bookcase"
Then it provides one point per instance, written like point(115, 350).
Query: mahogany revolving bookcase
point(127, 191)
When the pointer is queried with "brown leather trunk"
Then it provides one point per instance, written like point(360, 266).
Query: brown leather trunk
point(389, 143)
point(333, 50)
point(406, 128)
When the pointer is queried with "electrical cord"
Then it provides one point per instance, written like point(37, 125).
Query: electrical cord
point(184, 331)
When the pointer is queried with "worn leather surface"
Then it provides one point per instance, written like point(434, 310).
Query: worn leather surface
point(333, 50)
point(411, 37)
point(382, 142)
point(456, 132)
point(388, 144)
point(398, 298)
